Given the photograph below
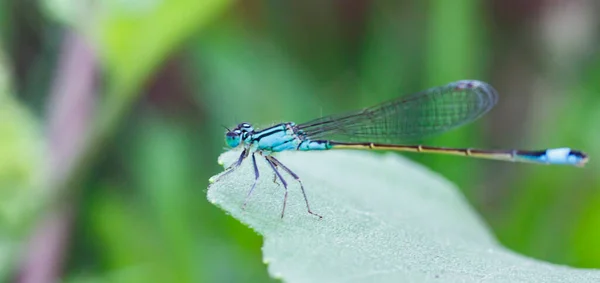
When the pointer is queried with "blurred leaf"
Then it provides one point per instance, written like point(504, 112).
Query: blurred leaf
point(134, 41)
point(244, 73)
point(4, 22)
point(243, 77)
point(586, 234)
point(162, 168)
point(132, 38)
point(135, 38)
point(140, 274)
point(385, 220)
point(21, 169)
point(157, 223)
point(21, 158)
point(126, 235)
point(391, 64)
point(157, 227)
point(547, 203)
point(454, 52)
point(70, 12)
point(455, 47)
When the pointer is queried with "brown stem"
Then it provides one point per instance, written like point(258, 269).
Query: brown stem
point(69, 115)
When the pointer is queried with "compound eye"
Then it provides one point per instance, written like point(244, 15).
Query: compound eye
point(232, 138)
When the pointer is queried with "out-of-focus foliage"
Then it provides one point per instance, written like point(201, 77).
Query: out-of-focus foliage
point(171, 73)
point(21, 152)
point(21, 169)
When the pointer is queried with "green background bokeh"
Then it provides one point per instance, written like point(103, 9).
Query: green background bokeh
point(171, 74)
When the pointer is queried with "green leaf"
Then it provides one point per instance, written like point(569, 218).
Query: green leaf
point(132, 38)
point(22, 166)
point(135, 37)
point(233, 56)
point(386, 219)
point(454, 51)
point(21, 160)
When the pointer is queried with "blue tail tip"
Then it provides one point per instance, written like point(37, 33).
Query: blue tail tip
point(566, 155)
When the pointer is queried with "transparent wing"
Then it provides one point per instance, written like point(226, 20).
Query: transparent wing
point(408, 118)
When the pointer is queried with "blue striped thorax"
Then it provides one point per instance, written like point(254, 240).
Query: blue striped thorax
point(280, 137)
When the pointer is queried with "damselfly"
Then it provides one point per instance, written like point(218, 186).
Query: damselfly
point(387, 126)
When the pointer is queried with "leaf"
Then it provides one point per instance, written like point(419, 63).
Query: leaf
point(22, 173)
point(385, 219)
point(454, 51)
point(232, 56)
point(136, 35)
point(21, 165)
point(132, 38)
point(22, 149)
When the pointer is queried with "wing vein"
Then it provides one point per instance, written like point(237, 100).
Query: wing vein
point(423, 114)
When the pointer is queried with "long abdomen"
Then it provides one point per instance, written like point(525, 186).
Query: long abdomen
point(565, 155)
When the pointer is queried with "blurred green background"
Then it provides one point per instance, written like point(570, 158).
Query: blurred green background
point(111, 116)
